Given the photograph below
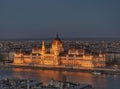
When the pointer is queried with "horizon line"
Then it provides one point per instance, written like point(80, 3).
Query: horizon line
point(65, 38)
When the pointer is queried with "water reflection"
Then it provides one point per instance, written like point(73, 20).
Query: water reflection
point(99, 82)
point(115, 77)
point(46, 75)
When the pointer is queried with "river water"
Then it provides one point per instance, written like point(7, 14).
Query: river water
point(99, 82)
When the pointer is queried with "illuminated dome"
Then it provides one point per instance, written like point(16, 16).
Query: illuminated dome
point(57, 45)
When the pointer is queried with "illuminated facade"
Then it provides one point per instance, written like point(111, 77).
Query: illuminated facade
point(56, 56)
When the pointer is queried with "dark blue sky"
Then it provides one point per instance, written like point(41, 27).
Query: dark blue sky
point(70, 18)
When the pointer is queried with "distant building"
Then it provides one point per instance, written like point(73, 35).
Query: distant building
point(57, 56)
point(6, 56)
point(11, 56)
point(113, 56)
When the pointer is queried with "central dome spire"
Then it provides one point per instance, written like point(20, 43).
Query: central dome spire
point(57, 35)
point(57, 38)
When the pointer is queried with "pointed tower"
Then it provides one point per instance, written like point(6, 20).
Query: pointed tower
point(56, 49)
point(43, 48)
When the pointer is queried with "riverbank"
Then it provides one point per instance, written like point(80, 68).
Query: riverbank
point(66, 68)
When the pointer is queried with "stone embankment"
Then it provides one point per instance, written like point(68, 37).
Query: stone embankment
point(67, 68)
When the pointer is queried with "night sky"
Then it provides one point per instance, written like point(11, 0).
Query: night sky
point(70, 18)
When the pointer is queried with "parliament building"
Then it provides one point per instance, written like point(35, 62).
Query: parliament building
point(57, 56)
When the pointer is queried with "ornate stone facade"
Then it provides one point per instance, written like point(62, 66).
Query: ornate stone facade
point(74, 57)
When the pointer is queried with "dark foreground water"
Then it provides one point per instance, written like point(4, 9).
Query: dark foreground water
point(99, 82)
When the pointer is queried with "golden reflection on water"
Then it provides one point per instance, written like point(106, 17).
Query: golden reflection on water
point(46, 75)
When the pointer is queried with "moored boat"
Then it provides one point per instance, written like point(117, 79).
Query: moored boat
point(96, 73)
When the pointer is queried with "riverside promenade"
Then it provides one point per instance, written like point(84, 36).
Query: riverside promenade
point(66, 68)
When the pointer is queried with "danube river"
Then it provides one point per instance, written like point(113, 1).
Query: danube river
point(103, 81)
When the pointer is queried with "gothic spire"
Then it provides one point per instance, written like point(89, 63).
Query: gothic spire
point(43, 45)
